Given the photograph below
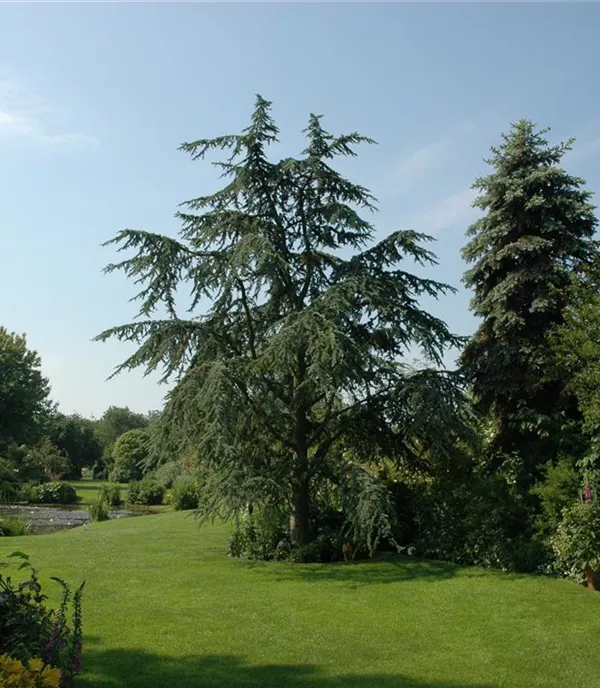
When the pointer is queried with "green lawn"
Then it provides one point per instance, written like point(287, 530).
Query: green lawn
point(87, 490)
point(164, 607)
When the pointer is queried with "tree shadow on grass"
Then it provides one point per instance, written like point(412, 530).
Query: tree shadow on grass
point(138, 669)
point(382, 570)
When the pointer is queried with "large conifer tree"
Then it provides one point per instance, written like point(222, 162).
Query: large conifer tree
point(535, 234)
point(298, 322)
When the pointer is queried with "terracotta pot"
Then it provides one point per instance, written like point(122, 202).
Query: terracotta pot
point(592, 578)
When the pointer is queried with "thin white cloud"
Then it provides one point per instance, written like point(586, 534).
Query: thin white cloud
point(449, 212)
point(417, 164)
point(405, 174)
point(25, 117)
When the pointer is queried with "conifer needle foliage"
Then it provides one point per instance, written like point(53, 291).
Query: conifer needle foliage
point(536, 234)
point(298, 324)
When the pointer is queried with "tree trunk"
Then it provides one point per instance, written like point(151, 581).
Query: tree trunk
point(592, 578)
point(299, 519)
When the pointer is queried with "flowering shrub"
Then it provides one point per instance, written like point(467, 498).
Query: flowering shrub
point(55, 493)
point(30, 631)
point(577, 540)
point(33, 674)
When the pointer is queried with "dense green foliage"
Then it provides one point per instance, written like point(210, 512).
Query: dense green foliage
point(557, 490)
point(9, 482)
point(536, 233)
point(37, 443)
point(77, 439)
point(50, 461)
point(24, 392)
point(576, 348)
point(115, 421)
point(315, 625)
point(479, 520)
point(129, 452)
point(13, 526)
point(98, 509)
point(111, 494)
point(167, 473)
point(30, 629)
point(302, 342)
point(577, 540)
point(184, 493)
point(55, 493)
point(257, 535)
point(148, 492)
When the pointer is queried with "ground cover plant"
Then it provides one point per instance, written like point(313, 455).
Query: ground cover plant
point(40, 645)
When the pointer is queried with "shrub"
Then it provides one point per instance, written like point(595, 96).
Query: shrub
point(27, 492)
point(184, 493)
point(23, 463)
point(147, 492)
point(119, 474)
point(168, 473)
point(53, 463)
point(576, 543)
point(306, 554)
point(256, 536)
point(11, 526)
point(100, 470)
point(128, 453)
point(55, 493)
point(558, 490)
point(111, 494)
point(477, 520)
point(98, 509)
point(9, 485)
point(32, 674)
point(32, 633)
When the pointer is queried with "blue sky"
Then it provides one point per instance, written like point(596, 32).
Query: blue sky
point(95, 99)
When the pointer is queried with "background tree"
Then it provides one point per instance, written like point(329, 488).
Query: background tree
point(24, 392)
point(129, 453)
point(536, 232)
point(53, 464)
point(76, 437)
point(115, 421)
point(576, 347)
point(304, 325)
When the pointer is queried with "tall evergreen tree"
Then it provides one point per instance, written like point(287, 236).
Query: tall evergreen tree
point(535, 234)
point(298, 321)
